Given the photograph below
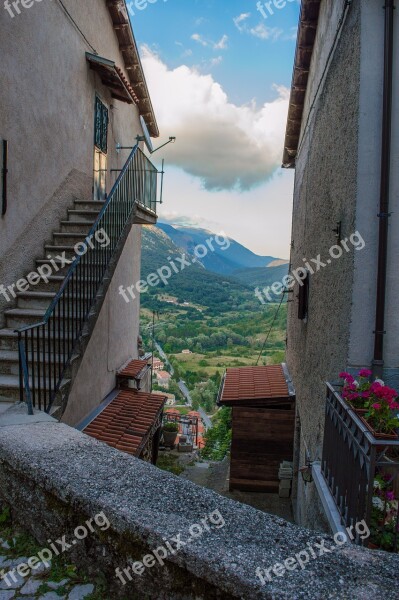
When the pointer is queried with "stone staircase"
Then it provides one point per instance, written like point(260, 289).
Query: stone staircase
point(30, 307)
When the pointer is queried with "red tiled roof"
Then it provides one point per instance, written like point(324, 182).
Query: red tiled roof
point(246, 384)
point(133, 369)
point(126, 422)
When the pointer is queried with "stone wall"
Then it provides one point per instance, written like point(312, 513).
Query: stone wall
point(56, 478)
point(325, 193)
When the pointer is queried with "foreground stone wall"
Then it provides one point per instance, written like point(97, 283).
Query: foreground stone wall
point(56, 478)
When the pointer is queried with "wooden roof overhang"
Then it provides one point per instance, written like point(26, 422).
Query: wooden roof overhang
point(308, 22)
point(112, 77)
point(257, 387)
point(128, 47)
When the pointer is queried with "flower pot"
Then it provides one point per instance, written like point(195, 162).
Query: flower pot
point(378, 435)
point(361, 411)
point(169, 438)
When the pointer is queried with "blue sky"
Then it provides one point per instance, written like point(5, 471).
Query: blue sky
point(219, 74)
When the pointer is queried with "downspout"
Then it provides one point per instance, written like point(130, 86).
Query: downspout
point(378, 361)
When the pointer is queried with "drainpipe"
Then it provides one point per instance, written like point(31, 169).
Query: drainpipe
point(378, 361)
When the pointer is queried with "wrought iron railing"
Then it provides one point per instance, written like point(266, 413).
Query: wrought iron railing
point(45, 349)
point(359, 470)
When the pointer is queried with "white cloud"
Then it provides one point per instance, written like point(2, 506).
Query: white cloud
point(220, 45)
point(259, 219)
point(198, 38)
point(214, 62)
point(266, 33)
point(225, 145)
point(241, 19)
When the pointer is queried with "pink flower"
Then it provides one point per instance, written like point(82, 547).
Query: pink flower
point(375, 387)
point(344, 375)
point(393, 405)
point(376, 406)
point(366, 394)
point(365, 373)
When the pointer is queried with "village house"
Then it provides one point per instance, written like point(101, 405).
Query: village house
point(72, 208)
point(76, 189)
point(342, 139)
point(163, 379)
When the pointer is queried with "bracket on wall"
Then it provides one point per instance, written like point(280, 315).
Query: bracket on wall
point(338, 230)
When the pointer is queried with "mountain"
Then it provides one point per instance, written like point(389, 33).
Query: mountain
point(222, 260)
point(261, 277)
point(194, 284)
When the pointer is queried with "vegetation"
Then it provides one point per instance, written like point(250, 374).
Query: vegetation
point(169, 462)
point(171, 427)
point(218, 438)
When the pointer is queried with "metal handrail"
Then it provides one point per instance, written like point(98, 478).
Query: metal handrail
point(49, 343)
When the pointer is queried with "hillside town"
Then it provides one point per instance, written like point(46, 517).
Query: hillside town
point(199, 345)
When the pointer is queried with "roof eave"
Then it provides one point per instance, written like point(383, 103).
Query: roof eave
point(308, 21)
point(128, 47)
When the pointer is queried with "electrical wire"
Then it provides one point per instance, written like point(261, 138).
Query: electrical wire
point(347, 6)
point(77, 26)
point(271, 329)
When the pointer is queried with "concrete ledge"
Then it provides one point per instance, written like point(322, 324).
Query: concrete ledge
point(327, 500)
point(55, 478)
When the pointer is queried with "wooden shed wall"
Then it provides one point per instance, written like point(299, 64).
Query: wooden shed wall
point(262, 439)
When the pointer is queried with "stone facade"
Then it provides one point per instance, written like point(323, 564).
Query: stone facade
point(337, 181)
point(47, 102)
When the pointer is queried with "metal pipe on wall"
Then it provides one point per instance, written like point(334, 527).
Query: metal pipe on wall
point(379, 333)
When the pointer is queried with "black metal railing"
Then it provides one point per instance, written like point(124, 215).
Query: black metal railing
point(45, 349)
point(361, 471)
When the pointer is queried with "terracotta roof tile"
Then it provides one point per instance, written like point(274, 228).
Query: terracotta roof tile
point(133, 369)
point(126, 422)
point(254, 384)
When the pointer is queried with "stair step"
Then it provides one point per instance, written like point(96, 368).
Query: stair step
point(9, 340)
point(9, 362)
point(89, 204)
point(77, 226)
point(83, 215)
point(21, 317)
point(36, 299)
point(53, 285)
point(68, 238)
point(53, 249)
point(9, 387)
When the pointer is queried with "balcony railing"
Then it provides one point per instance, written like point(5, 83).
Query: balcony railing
point(361, 471)
point(46, 348)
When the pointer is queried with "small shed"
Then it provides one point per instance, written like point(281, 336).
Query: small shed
point(263, 412)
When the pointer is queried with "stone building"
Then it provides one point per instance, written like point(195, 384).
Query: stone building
point(342, 139)
point(76, 189)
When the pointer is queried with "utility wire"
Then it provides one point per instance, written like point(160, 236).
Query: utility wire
point(270, 330)
point(347, 6)
point(76, 26)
